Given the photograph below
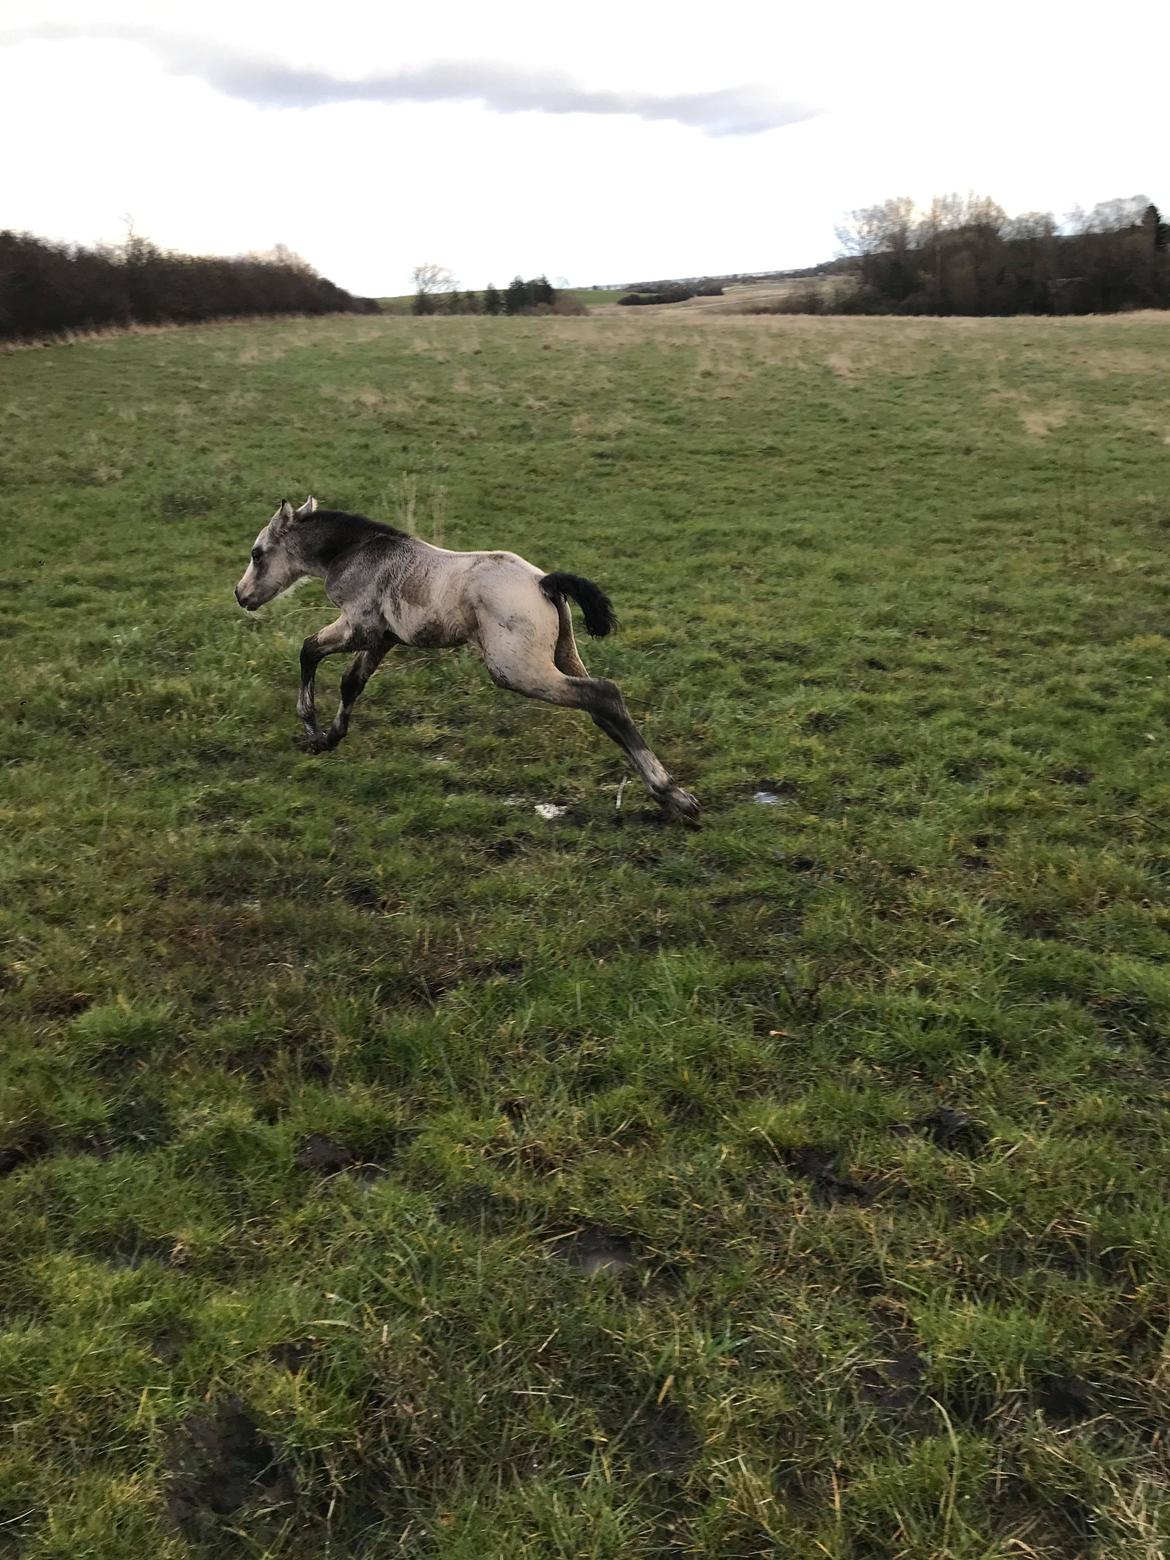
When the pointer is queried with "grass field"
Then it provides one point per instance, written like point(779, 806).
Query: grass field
point(388, 1170)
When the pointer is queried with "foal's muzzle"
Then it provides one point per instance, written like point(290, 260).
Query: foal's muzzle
point(246, 605)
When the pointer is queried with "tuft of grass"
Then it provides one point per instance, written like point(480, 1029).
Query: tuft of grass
point(386, 1169)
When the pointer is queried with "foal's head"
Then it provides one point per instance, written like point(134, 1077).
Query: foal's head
point(275, 563)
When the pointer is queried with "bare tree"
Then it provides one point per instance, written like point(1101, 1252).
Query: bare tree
point(1031, 226)
point(1110, 216)
point(884, 229)
point(429, 281)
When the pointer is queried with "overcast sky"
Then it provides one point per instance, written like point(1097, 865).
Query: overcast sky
point(605, 142)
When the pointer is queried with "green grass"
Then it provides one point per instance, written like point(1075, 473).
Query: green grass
point(329, 1085)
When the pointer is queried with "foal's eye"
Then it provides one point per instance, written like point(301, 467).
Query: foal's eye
point(257, 554)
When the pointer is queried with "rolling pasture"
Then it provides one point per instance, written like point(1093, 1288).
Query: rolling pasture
point(387, 1169)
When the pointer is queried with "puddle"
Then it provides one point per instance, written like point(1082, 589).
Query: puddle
point(596, 1251)
point(774, 793)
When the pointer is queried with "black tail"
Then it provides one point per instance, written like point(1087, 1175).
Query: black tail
point(594, 603)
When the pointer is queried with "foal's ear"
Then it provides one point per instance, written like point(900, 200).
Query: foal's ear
point(282, 517)
point(307, 508)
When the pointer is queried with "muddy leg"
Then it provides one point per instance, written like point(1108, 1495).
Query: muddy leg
point(333, 640)
point(357, 675)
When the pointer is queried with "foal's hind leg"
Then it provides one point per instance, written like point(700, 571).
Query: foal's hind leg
point(566, 654)
point(601, 699)
point(605, 704)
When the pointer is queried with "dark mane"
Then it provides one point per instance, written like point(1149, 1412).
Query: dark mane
point(336, 532)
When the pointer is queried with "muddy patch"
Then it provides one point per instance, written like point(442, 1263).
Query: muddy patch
point(800, 863)
point(322, 1155)
point(23, 1150)
point(893, 1384)
point(363, 896)
point(953, 1130)
point(503, 849)
point(1065, 1400)
point(818, 1167)
point(167, 1344)
point(134, 1249)
point(219, 1463)
point(663, 1439)
point(293, 1355)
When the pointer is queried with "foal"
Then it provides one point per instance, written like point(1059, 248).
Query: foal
point(393, 589)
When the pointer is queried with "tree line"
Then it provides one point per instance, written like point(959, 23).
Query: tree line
point(48, 288)
point(437, 292)
point(672, 292)
point(964, 255)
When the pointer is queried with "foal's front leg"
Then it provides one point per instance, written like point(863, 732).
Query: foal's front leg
point(357, 674)
point(333, 640)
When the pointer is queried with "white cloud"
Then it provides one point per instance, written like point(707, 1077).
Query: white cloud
point(268, 82)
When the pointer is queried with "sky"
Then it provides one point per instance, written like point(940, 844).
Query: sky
point(609, 142)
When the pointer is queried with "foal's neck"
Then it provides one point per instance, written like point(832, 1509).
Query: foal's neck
point(328, 534)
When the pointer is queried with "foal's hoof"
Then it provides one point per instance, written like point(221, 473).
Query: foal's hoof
point(680, 804)
point(318, 743)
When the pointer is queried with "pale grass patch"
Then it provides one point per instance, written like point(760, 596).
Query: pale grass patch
point(1036, 420)
point(1146, 420)
point(584, 425)
point(1040, 422)
point(262, 352)
point(842, 365)
point(1133, 361)
point(370, 399)
point(107, 333)
point(465, 381)
point(722, 368)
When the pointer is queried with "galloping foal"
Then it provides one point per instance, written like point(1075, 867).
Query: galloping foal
point(393, 589)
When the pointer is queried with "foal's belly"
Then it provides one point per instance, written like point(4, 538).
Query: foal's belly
point(431, 629)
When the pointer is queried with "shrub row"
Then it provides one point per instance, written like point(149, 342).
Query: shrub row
point(48, 288)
